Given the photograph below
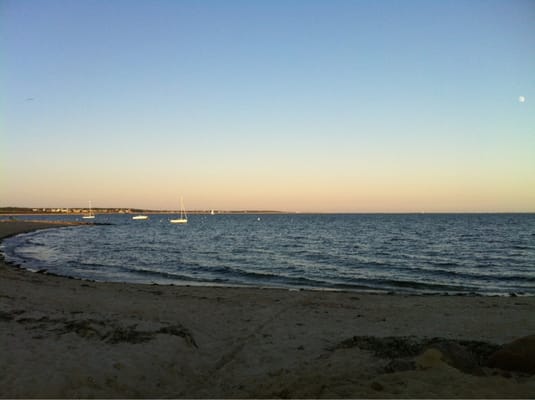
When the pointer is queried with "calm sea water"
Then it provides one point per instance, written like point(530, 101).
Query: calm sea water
point(427, 253)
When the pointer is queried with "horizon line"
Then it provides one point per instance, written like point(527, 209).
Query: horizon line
point(5, 210)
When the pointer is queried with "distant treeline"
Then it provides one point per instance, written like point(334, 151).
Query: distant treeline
point(15, 210)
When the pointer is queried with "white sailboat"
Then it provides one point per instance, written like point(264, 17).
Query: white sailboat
point(90, 215)
point(183, 218)
point(140, 217)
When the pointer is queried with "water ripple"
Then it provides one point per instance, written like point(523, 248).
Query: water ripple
point(406, 253)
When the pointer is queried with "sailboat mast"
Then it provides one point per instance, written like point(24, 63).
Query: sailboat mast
point(182, 209)
point(90, 215)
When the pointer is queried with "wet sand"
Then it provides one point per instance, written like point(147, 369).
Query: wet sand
point(63, 337)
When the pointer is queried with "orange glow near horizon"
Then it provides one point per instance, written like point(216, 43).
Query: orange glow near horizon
point(296, 192)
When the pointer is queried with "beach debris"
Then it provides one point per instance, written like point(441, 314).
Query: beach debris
point(431, 358)
point(384, 347)
point(108, 331)
point(410, 352)
point(84, 328)
point(518, 356)
point(179, 330)
point(400, 365)
point(467, 356)
point(128, 334)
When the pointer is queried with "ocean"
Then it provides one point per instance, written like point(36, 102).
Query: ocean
point(488, 254)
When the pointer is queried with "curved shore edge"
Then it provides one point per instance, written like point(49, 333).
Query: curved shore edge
point(10, 228)
point(68, 338)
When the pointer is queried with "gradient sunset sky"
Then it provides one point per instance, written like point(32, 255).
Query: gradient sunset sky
point(325, 106)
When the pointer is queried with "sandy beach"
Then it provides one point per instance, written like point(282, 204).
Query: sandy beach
point(66, 338)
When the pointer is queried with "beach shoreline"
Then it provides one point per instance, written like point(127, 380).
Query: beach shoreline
point(63, 337)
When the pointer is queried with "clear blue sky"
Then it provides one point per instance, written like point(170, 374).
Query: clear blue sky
point(292, 105)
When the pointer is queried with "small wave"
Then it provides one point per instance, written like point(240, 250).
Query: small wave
point(128, 273)
point(268, 276)
point(522, 247)
point(425, 286)
point(483, 274)
point(445, 264)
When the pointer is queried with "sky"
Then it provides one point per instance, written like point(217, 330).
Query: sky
point(299, 106)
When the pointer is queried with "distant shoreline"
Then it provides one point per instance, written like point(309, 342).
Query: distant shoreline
point(134, 212)
point(7, 212)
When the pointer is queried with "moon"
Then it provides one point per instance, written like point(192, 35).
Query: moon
point(521, 99)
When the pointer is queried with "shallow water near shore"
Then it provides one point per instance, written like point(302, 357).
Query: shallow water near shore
point(405, 253)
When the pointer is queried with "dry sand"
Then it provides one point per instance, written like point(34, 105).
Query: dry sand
point(69, 338)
